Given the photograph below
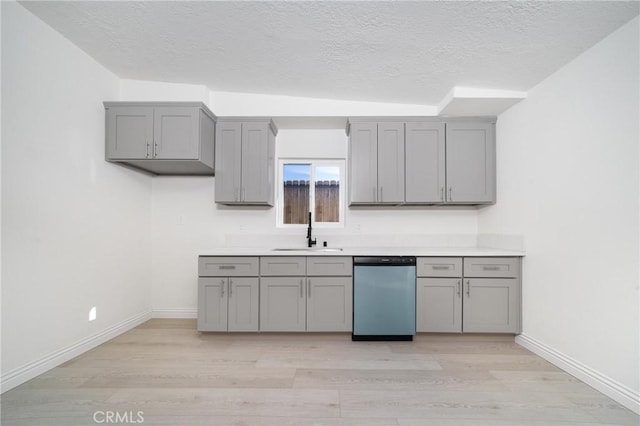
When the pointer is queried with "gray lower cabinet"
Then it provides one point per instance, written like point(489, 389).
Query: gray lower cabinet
point(439, 305)
point(460, 295)
point(491, 294)
point(329, 293)
point(245, 161)
point(283, 293)
point(422, 161)
point(491, 305)
point(439, 294)
point(228, 293)
point(306, 293)
point(164, 138)
point(212, 304)
point(228, 304)
point(283, 304)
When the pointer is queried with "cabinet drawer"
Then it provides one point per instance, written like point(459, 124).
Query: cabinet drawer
point(439, 266)
point(226, 266)
point(498, 267)
point(282, 265)
point(330, 266)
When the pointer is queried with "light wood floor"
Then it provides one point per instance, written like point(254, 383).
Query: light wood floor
point(174, 375)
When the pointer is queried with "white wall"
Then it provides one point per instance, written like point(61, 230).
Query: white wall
point(75, 229)
point(568, 181)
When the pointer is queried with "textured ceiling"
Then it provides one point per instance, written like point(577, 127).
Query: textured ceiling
point(403, 52)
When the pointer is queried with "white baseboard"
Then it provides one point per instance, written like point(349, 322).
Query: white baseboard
point(613, 389)
point(28, 371)
point(175, 313)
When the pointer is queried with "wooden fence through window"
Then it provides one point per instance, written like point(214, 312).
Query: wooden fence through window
point(296, 201)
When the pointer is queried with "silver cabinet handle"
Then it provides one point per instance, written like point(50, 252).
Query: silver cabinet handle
point(230, 287)
point(147, 154)
point(227, 267)
point(221, 288)
point(309, 288)
point(442, 193)
point(301, 289)
point(468, 288)
point(490, 268)
point(458, 285)
point(381, 199)
point(155, 149)
point(441, 267)
point(450, 197)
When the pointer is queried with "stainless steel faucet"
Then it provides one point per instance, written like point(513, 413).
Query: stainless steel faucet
point(310, 242)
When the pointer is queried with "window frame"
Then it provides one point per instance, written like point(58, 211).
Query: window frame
point(313, 162)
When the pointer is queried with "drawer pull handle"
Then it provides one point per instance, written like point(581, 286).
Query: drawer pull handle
point(490, 268)
point(227, 267)
point(441, 267)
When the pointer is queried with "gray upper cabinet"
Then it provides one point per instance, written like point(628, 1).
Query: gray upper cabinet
point(129, 132)
point(176, 132)
point(471, 163)
point(376, 162)
point(390, 162)
point(363, 163)
point(425, 162)
point(164, 138)
point(245, 161)
point(422, 161)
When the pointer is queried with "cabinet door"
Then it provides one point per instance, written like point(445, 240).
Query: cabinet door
point(212, 304)
point(176, 133)
point(391, 162)
point(329, 303)
point(283, 265)
point(283, 304)
point(363, 163)
point(228, 162)
point(439, 305)
point(330, 265)
point(470, 163)
point(255, 163)
point(425, 163)
point(129, 133)
point(491, 305)
point(243, 304)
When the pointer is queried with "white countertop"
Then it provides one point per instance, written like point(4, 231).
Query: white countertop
point(366, 251)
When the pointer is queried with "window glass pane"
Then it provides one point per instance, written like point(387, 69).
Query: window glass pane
point(296, 179)
point(327, 192)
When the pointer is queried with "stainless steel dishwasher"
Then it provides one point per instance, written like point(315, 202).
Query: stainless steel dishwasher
point(384, 298)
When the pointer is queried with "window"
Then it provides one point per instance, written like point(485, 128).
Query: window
point(315, 186)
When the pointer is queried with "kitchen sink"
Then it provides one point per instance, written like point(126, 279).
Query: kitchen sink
point(308, 249)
